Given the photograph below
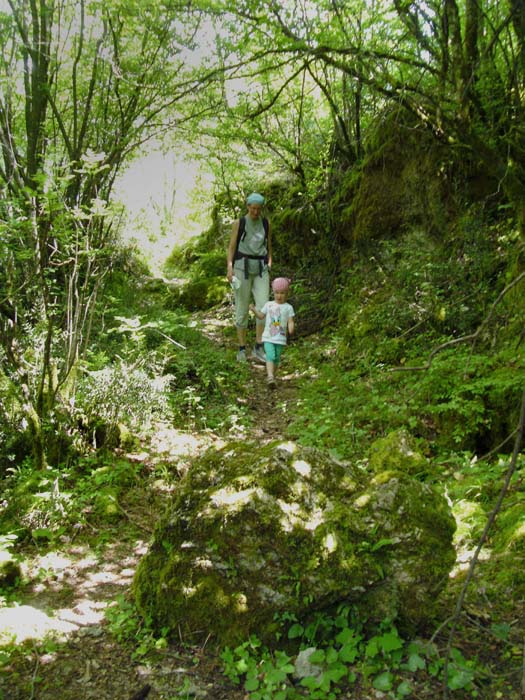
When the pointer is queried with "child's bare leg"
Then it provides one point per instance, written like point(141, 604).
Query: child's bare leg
point(270, 369)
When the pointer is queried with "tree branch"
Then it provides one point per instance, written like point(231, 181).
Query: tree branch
point(473, 562)
point(471, 337)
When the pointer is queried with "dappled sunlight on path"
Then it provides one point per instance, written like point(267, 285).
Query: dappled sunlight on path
point(170, 442)
point(67, 593)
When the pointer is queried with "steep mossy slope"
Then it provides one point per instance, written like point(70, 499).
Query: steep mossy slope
point(411, 263)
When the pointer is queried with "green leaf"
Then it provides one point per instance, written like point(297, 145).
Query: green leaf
point(275, 676)
point(251, 684)
point(404, 689)
point(372, 648)
point(348, 653)
point(42, 533)
point(501, 631)
point(317, 657)
point(295, 631)
point(415, 662)
point(282, 659)
point(325, 682)
point(336, 672)
point(390, 641)
point(241, 666)
point(459, 677)
point(347, 636)
point(331, 655)
point(4, 658)
point(382, 543)
point(310, 682)
point(384, 681)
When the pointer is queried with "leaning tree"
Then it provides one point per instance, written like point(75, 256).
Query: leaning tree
point(458, 66)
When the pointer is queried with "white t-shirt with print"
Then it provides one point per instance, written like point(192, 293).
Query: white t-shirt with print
point(276, 324)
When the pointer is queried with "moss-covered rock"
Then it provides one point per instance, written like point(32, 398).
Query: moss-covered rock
point(202, 293)
point(398, 451)
point(254, 531)
point(471, 519)
point(505, 566)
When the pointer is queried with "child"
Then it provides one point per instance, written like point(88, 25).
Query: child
point(279, 316)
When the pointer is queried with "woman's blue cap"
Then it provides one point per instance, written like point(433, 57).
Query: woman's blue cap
point(255, 198)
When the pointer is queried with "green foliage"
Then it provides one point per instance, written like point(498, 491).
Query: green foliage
point(463, 401)
point(119, 394)
point(166, 369)
point(10, 572)
point(344, 655)
point(417, 290)
point(58, 226)
point(201, 263)
point(129, 628)
point(204, 256)
point(204, 381)
point(44, 505)
point(200, 294)
point(342, 411)
point(396, 307)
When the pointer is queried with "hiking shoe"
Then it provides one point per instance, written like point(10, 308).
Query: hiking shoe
point(241, 356)
point(259, 355)
point(271, 382)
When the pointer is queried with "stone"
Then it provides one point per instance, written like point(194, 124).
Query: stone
point(304, 668)
point(257, 531)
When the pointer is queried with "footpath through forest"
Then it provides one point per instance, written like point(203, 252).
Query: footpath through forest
point(71, 589)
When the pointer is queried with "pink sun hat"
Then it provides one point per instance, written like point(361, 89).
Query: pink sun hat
point(281, 284)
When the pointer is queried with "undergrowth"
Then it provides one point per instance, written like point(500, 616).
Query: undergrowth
point(463, 401)
point(332, 654)
point(360, 384)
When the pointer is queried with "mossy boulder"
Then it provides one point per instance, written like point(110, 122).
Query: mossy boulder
point(203, 293)
point(398, 451)
point(505, 566)
point(258, 531)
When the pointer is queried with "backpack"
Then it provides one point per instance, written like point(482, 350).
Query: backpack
point(240, 236)
point(242, 231)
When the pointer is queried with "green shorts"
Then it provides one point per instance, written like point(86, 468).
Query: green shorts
point(273, 352)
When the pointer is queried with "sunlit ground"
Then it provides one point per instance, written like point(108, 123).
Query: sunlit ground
point(168, 441)
point(78, 586)
point(70, 590)
point(93, 586)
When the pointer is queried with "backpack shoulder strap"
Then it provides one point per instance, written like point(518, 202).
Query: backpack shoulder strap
point(266, 225)
point(242, 227)
point(241, 231)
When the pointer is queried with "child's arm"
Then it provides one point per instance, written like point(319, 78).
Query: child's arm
point(259, 314)
point(291, 326)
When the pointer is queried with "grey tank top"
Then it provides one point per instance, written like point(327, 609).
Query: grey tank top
point(253, 243)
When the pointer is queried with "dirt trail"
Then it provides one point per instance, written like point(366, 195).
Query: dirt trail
point(71, 588)
point(268, 407)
